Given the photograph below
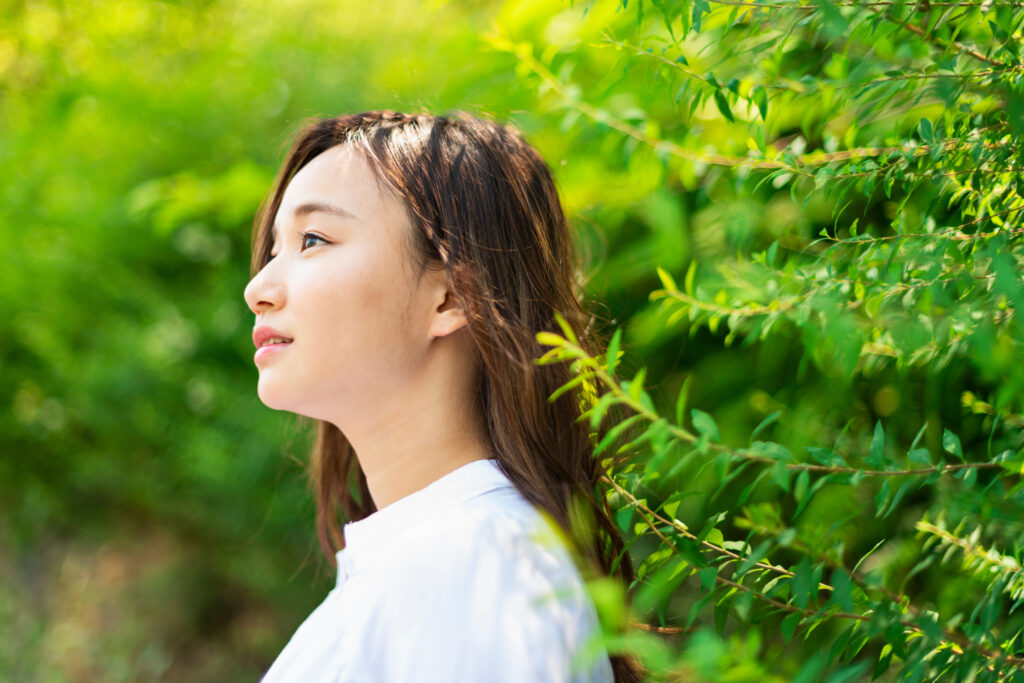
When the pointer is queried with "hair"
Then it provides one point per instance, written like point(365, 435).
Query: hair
point(484, 207)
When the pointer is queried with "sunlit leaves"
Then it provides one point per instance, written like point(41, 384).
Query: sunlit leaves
point(897, 256)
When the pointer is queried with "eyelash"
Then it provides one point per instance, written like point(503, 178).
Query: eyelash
point(306, 235)
point(302, 240)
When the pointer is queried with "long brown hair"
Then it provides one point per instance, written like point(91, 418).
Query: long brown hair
point(484, 207)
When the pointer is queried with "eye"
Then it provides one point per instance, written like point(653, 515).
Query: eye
point(309, 235)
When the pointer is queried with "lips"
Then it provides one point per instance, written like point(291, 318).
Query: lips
point(264, 334)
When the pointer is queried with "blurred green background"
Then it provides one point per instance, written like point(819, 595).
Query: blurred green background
point(154, 517)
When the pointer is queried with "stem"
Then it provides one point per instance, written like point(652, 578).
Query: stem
point(683, 435)
point(961, 641)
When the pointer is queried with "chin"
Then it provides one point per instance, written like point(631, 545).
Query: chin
point(276, 399)
point(270, 397)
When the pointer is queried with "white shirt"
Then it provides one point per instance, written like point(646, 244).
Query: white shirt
point(463, 580)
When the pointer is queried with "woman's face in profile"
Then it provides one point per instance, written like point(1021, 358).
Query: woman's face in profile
point(341, 287)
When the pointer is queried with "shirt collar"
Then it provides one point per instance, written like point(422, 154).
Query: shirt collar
point(385, 525)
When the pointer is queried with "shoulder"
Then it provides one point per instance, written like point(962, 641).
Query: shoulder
point(491, 586)
point(503, 551)
point(508, 550)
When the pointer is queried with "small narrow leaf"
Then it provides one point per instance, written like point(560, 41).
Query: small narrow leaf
point(691, 272)
point(841, 595)
point(764, 423)
point(875, 457)
point(681, 400)
point(666, 280)
point(612, 355)
point(550, 339)
point(951, 444)
point(704, 424)
point(636, 385)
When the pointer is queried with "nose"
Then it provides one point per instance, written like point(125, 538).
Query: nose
point(264, 292)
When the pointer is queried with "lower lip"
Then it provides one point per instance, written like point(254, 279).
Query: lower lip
point(269, 350)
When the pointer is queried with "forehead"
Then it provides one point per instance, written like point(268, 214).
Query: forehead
point(338, 177)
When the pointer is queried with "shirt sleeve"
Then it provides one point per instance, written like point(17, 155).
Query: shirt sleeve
point(491, 602)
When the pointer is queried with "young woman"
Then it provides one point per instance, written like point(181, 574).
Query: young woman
point(402, 266)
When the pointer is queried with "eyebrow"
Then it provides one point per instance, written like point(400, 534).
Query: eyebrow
point(314, 207)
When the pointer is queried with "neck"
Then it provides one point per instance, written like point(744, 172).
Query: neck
point(416, 436)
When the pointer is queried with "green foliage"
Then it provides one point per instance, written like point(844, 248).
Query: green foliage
point(852, 183)
point(803, 221)
point(156, 523)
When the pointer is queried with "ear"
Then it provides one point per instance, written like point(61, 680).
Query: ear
point(448, 316)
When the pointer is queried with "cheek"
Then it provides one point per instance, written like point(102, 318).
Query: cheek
point(356, 301)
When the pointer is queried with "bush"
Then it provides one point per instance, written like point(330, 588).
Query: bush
point(833, 484)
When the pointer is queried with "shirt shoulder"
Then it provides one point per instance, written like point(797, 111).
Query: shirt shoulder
point(489, 591)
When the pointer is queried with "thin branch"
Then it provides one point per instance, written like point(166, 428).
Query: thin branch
point(961, 642)
point(952, 233)
point(676, 150)
point(684, 435)
point(954, 638)
point(960, 47)
point(801, 89)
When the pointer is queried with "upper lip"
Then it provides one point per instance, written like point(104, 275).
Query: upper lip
point(262, 333)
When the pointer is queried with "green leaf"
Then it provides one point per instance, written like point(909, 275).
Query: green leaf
point(920, 433)
point(900, 492)
point(691, 273)
point(810, 671)
point(764, 423)
point(700, 8)
point(753, 558)
point(723, 105)
point(566, 328)
point(704, 424)
point(635, 387)
point(951, 444)
point(613, 434)
point(803, 582)
point(623, 517)
point(817, 486)
point(670, 506)
point(759, 139)
point(841, 595)
point(666, 280)
point(760, 95)
point(925, 130)
point(721, 612)
point(550, 339)
point(568, 386)
point(882, 497)
point(780, 475)
point(612, 355)
point(681, 400)
point(707, 577)
point(599, 409)
point(1014, 464)
point(800, 488)
point(789, 624)
point(876, 458)
point(749, 488)
point(849, 673)
point(921, 455)
point(826, 456)
point(884, 661)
